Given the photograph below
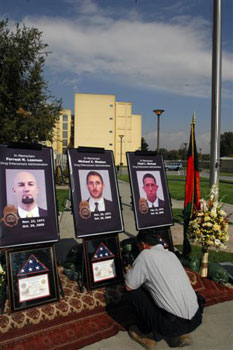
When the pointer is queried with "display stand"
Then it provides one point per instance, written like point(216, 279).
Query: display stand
point(27, 174)
point(90, 168)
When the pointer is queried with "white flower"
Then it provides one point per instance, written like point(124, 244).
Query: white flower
point(217, 242)
point(203, 205)
point(213, 213)
point(222, 213)
point(209, 226)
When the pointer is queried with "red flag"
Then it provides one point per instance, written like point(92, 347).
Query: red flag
point(192, 186)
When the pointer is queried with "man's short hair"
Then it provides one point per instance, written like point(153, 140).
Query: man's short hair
point(150, 236)
point(148, 175)
point(94, 173)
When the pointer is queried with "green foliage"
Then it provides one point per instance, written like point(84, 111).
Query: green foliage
point(62, 197)
point(178, 215)
point(28, 113)
point(226, 144)
point(144, 145)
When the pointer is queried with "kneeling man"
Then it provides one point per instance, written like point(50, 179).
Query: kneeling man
point(161, 294)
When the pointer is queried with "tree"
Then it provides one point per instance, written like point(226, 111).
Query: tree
point(172, 155)
point(163, 152)
point(28, 112)
point(144, 145)
point(226, 144)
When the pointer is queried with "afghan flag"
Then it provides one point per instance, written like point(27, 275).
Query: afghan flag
point(192, 186)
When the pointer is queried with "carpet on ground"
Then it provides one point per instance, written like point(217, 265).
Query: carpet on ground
point(80, 319)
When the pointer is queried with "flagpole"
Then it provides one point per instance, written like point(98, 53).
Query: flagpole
point(216, 93)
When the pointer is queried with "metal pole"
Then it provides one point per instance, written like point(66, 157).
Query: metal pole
point(158, 112)
point(121, 137)
point(216, 92)
point(158, 131)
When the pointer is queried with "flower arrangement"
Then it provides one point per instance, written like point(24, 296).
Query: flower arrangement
point(209, 226)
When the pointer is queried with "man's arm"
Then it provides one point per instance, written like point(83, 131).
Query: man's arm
point(131, 271)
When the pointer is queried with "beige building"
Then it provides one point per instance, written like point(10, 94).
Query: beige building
point(62, 132)
point(100, 121)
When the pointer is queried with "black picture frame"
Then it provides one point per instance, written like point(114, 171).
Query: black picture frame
point(16, 164)
point(106, 270)
point(32, 276)
point(147, 214)
point(87, 222)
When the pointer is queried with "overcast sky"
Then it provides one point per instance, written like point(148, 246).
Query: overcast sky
point(153, 53)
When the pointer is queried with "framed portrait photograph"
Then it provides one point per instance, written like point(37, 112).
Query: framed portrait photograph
point(28, 213)
point(151, 199)
point(102, 260)
point(94, 193)
point(32, 276)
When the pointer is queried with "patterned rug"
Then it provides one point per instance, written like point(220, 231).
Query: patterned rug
point(80, 319)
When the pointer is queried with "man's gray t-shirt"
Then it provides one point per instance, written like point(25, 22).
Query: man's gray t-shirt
point(161, 272)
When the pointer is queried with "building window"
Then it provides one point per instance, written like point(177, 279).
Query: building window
point(110, 131)
point(64, 142)
point(65, 134)
point(111, 118)
point(110, 144)
point(65, 118)
point(65, 126)
point(111, 105)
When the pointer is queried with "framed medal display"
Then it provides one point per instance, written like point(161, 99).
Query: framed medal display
point(28, 213)
point(102, 260)
point(151, 199)
point(94, 192)
point(32, 276)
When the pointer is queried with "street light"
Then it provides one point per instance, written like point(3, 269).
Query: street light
point(158, 112)
point(121, 137)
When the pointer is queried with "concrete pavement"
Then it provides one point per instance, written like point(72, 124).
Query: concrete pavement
point(216, 331)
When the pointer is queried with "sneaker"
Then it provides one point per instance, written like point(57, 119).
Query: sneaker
point(145, 340)
point(178, 342)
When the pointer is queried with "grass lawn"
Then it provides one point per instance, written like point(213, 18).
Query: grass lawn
point(176, 184)
point(226, 174)
point(177, 189)
point(214, 256)
point(62, 196)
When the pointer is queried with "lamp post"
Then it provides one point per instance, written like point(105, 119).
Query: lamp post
point(121, 137)
point(158, 112)
point(200, 152)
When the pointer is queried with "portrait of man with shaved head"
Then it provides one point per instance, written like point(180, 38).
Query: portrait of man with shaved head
point(26, 191)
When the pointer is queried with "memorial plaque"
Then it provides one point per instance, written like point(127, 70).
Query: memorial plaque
point(102, 260)
point(151, 200)
point(32, 276)
point(28, 212)
point(95, 194)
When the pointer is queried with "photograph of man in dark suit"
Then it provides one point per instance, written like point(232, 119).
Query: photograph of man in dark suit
point(95, 186)
point(151, 189)
point(26, 191)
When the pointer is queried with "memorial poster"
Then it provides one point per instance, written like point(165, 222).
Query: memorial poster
point(151, 200)
point(28, 212)
point(95, 194)
point(32, 276)
point(102, 260)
